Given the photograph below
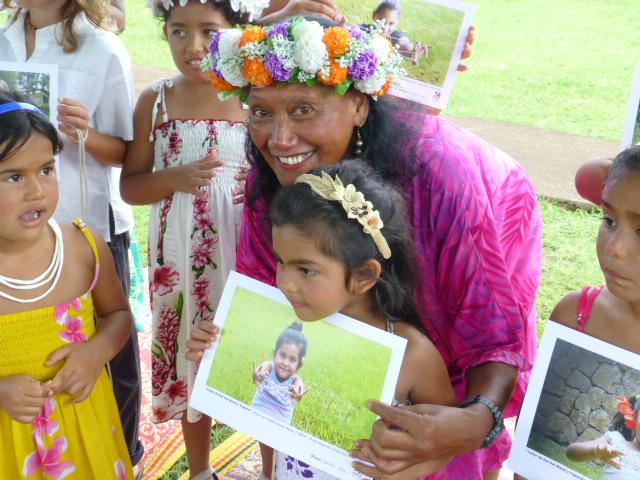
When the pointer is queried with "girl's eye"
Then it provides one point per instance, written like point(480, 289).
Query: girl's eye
point(210, 32)
point(608, 221)
point(307, 272)
point(13, 178)
point(179, 33)
point(46, 171)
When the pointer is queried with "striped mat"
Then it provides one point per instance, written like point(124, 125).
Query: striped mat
point(237, 458)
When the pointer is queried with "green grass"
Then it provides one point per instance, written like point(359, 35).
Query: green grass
point(333, 410)
point(554, 451)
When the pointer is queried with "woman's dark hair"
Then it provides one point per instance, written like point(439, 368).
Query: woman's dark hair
point(386, 5)
point(618, 424)
point(293, 335)
point(340, 237)
point(224, 7)
point(627, 161)
point(387, 144)
point(17, 126)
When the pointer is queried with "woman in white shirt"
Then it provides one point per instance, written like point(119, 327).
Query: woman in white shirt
point(96, 104)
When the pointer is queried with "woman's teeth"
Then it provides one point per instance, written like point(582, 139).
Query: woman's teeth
point(295, 159)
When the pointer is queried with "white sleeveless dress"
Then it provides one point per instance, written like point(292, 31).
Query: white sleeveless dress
point(192, 248)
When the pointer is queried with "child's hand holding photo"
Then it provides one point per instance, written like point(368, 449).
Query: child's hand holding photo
point(22, 396)
point(202, 337)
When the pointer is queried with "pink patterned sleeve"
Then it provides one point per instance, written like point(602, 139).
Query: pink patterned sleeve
point(255, 254)
point(478, 230)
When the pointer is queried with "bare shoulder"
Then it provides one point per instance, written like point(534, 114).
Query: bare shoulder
point(146, 100)
point(80, 246)
point(420, 348)
point(566, 311)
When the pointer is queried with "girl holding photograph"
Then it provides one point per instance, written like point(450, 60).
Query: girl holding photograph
point(612, 311)
point(279, 385)
point(619, 448)
point(343, 244)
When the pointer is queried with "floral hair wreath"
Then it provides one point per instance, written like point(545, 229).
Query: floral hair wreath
point(628, 411)
point(302, 51)
point(251, 7)
point(353, 203)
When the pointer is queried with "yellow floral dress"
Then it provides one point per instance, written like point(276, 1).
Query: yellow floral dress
point(66, 440)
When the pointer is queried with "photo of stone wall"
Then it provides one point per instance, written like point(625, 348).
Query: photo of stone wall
point(578, 402)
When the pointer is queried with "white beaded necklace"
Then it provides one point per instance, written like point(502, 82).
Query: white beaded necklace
point(51, 273)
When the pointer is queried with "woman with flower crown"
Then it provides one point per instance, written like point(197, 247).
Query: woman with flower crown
point(316, 94)
point(184, 160)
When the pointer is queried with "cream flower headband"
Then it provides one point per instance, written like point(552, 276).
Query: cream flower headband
point(252, 7)
point(353, 203)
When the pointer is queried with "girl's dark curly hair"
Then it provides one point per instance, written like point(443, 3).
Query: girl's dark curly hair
point(340, 237)
point(627, 161)
point(16, 127)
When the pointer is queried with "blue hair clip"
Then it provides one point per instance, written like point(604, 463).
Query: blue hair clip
point(14, 106)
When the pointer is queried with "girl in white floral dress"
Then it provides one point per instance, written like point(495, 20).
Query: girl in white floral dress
point(189, 148)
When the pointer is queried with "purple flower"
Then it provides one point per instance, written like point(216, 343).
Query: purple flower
point(215, 42)
point(279, 29)
point(363, 67)
point(276, 68)
point(356, 32)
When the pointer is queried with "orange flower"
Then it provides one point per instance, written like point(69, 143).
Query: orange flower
point(337, 41)
point(252, 33)
point(221, 84)
point(256, 73)
point(385, 88)
point(337, 74)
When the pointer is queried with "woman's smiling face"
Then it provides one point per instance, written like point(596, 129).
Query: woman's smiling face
point(298, 127)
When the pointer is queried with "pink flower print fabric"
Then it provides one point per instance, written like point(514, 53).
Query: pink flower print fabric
point(192, 247)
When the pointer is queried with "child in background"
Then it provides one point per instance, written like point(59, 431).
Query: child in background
point(612, 312)
point(343, 244)
point(185, 136)
point(618, 448)
point(58, 415)
point(95, 110)
point(279, 386)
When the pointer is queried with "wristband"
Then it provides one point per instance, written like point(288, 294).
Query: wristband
point(498, 421)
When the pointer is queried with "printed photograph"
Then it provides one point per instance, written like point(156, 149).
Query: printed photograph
point(631, 133)
point(586, 420)
point(36, 82)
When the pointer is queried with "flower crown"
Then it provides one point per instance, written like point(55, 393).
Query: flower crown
point(251, 7)
point(303, 51)
point(353, 203)
point(628, 411)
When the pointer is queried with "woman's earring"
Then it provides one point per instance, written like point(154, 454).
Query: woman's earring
point(359, 143)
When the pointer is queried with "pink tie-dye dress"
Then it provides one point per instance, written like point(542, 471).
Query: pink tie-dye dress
point(477, 228)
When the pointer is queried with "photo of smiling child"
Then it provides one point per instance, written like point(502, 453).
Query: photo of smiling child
point(279, 387)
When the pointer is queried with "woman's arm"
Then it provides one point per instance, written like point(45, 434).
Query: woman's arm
point(280, 10)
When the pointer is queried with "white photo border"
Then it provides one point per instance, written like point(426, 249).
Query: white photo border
point(523, 460)
point(48, 69)
point(632, 111)
point(433, 95)
point(318, 453)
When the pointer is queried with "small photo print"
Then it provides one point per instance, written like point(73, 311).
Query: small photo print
point(39, 83)
point(581, 412)
point(298, 387)
point(631, 134)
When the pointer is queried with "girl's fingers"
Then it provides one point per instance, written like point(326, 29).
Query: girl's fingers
point(86, 391)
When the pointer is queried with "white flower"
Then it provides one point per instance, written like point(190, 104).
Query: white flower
point(158, 7)
point(381, 47)
point(232, 73)
point(310, 52)
point(252, 7)
point(229, 45)
point(373, 84)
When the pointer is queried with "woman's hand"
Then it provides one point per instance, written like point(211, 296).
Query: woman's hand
point(22, 396)
point(72, 115)
point(194, 177)
point(418, 434)
point(323, 8)
point(80, 371)
point(202, 337)
point(466, 50)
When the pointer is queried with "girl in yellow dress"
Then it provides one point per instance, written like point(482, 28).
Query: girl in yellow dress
point(63, 316)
